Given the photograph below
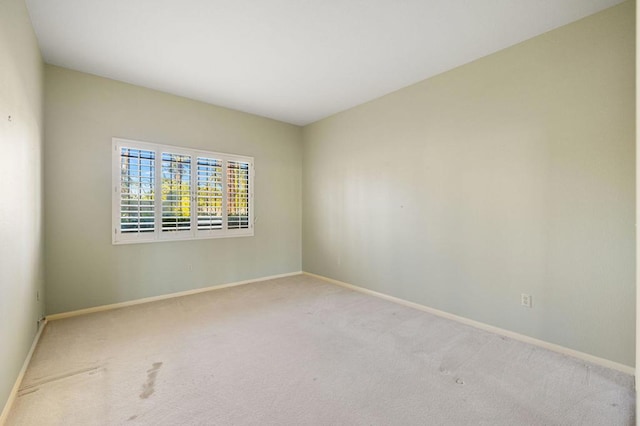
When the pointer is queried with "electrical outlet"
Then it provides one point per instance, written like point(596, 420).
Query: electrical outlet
point(525, 300)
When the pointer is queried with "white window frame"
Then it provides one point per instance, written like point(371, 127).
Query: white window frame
point(194, 233)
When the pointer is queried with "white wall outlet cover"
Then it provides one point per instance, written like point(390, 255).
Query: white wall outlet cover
point(525, 300)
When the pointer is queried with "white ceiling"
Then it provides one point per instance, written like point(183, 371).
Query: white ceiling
point(292, 60)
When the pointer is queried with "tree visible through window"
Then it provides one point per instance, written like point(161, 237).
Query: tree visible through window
point(176, 192)
point(137, 195)
point(209, 182)
point(201, 194)
point(238, 188)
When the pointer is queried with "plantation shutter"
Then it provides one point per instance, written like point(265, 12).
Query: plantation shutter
point(137, 191)
point(176, 192)
point(209, 194)
point(238, 178)
point(163, 192)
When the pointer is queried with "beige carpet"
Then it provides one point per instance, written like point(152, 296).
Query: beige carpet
point(300, 351)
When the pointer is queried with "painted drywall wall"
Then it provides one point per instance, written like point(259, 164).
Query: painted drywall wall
point(512, 174)
point(637, 209)
point(83, 112)
point(21, 236)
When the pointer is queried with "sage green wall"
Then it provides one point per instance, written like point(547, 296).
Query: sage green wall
point(512, 174)
point(21, 266)
point(83, 112)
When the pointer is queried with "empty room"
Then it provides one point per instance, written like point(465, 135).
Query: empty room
point(296, 212)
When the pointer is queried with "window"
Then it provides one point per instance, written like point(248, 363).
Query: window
point(163, 192)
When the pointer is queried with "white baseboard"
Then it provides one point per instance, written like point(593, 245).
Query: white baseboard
point(162, 297)
point(23, 370)
point(513, 335)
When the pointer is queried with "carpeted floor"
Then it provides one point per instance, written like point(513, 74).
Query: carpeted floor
point(300, 351)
